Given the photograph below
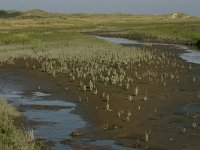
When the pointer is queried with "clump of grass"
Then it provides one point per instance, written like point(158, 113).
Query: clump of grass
point(12, 138)
point(128, 116)
point(17, 38)
point(136, 91)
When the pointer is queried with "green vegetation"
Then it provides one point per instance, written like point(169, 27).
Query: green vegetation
point(173, 28)
point(12, 138)
point(7, 14)
point(80, 56)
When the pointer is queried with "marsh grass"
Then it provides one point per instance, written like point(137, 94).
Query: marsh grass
point(81, 56)
point(12, 138)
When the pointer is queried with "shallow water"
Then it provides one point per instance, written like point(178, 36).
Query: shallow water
point(192, 108)
point(120, 40)
point(190, 54)
point(52, 125)
point(111, 144)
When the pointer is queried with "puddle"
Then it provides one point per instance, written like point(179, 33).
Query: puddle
point(190, 55)
point(39, 94)
point(190, 109)
point(111, 144)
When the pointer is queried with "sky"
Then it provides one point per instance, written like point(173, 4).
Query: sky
point(191, 7)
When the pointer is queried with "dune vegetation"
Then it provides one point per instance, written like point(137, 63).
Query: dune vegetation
point(173, 28)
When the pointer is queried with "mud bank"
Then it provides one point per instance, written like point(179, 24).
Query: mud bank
point(48, 109)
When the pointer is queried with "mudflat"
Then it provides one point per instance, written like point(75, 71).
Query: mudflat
point(163, 114)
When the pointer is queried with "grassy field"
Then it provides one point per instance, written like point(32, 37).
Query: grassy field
point(12, 138)
point(176, 28)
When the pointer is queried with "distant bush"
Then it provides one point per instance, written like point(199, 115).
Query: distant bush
point(15, 38)
point(9, 14)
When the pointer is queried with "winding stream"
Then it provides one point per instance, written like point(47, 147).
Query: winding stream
point(190, 54)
